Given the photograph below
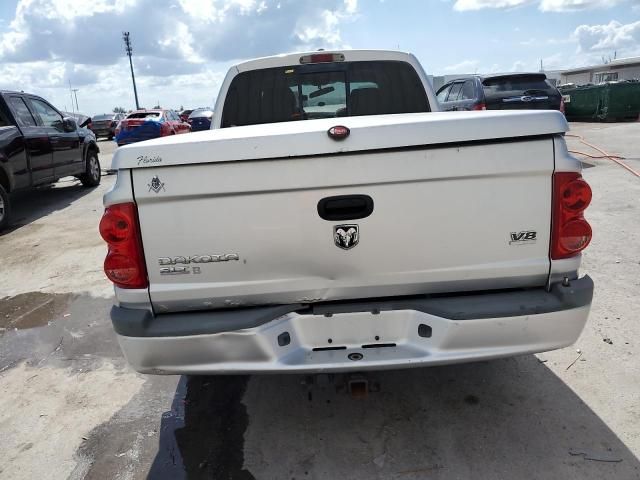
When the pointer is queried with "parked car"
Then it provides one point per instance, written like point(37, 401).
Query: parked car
point(105, 125)
point(510, 91)
point(39, 145)
point(357, 241)
point(200, 119)
point(146, 124)
point(184, 115)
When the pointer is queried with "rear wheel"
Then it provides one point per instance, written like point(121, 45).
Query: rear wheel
point(5, 209)
point(92, 175)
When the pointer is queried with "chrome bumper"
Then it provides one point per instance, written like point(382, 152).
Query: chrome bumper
point(365, 340)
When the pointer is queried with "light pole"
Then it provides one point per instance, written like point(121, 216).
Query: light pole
point(75, 94)
point(129, 50)
point(71, 95)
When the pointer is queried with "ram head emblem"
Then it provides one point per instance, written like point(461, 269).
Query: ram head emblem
point(346, 236)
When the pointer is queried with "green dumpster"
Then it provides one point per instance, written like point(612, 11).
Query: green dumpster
point(605, 102)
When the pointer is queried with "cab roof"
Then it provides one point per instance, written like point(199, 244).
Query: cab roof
point(287, 59)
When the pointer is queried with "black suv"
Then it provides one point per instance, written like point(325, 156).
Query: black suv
point(513, 91)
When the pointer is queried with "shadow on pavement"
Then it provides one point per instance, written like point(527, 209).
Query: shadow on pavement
point(30, 205)
point(508, 419)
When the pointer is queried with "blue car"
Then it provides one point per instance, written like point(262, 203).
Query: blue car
point(200, 119)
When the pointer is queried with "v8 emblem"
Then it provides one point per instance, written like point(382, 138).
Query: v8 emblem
point(526, 236)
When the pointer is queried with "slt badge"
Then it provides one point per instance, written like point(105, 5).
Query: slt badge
point(346, 236)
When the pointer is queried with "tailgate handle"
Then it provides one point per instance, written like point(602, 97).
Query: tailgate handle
point(345, 207)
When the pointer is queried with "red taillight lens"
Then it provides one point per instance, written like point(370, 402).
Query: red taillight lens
point(115, 227)
point(571, 233)
point(480, 106)
point(562, 104)
point(576, 195)
point(576, 235)
point(124, 264)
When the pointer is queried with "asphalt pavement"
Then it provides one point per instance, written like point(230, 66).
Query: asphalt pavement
point(70, 406)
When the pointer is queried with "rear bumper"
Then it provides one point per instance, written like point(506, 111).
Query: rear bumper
point(385, 334)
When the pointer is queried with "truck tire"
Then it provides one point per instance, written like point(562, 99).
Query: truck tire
point(5, 208)
point(91, 177)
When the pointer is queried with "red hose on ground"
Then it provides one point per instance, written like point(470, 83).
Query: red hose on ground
point(614, 158)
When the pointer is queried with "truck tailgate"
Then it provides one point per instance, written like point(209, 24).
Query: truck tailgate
point(445, 218)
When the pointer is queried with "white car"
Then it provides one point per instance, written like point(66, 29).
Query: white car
point(334, 220)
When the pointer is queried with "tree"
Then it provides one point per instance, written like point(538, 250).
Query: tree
point(119, 110)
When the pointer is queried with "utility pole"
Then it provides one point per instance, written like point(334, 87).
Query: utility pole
point(75, 94)
point(71, 95)
point(129, 50)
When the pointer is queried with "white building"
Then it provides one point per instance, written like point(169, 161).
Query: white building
point(620, 69)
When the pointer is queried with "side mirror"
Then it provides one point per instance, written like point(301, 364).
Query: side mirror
point(69, 124)
point(85, 123)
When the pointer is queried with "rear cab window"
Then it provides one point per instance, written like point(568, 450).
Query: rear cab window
point(327, 90)
point(145, 115)
point(516, 83)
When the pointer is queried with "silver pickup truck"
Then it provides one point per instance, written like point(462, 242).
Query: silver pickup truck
point(333, 220)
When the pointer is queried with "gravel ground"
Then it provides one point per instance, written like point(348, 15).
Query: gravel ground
point(71, 407)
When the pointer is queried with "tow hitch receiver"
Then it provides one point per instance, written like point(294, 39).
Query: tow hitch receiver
point(357, 385)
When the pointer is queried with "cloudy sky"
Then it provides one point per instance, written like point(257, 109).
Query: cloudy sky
point(182, 48)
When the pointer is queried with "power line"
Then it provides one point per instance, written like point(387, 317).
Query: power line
point(129, 50)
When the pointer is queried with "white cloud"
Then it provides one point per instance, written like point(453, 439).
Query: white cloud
point(182, 48)
point(518, 66)
point(463, 5)
point(611, 36)
point(573, 5)
point(466, 66)
point(543, 5)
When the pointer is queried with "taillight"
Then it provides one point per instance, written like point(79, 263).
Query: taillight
point(322, 58)
point(479, 106)
point(562, 104)
point(571, 233)
point(124, 264)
